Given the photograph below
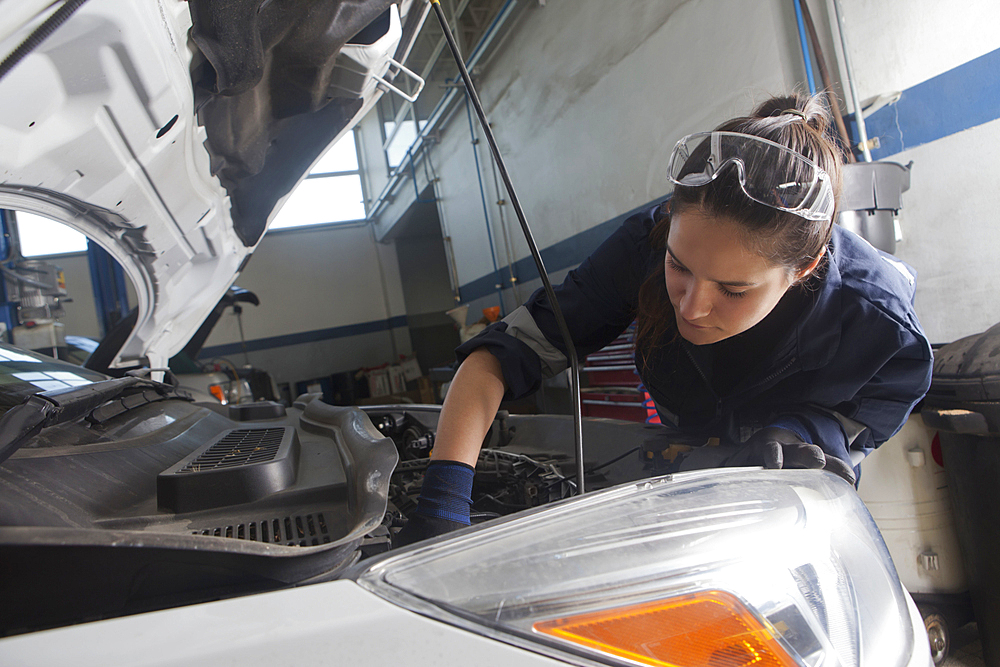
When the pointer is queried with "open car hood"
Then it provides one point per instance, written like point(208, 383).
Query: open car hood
point(171, 131)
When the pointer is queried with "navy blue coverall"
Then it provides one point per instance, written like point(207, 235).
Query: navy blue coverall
point(843, 372)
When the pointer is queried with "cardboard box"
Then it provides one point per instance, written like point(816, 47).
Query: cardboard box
point(426, 389)
point(411, 369)
point(378, 383)
point(397, 379)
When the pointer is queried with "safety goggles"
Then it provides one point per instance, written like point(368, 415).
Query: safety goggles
point(769, 173)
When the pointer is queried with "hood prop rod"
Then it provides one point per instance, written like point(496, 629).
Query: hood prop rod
point(556, 310)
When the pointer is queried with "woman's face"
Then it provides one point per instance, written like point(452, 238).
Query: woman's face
point(717, 286)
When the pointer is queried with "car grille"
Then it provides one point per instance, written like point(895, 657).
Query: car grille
point(293, 531)
point(238, 448)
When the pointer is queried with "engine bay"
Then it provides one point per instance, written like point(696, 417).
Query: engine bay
point(170, 503)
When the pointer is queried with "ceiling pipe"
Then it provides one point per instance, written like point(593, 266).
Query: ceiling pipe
point(824, 73)
point(805, 46)
point(859, 117)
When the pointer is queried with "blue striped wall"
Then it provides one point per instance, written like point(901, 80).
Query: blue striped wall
point(303, 337)
point(959, 99)
point(962, 98)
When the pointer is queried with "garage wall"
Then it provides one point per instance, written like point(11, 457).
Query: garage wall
point(587, 100)
point(323, 305)
point(331, 301)
point(946, 63)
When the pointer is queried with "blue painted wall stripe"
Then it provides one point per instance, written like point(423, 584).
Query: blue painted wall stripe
point(562, 255)
point(304, 337)
point(959, 99)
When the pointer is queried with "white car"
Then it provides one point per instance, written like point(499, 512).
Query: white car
point(139, 528)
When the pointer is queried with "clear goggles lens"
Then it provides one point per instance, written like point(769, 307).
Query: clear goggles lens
point(769, 173)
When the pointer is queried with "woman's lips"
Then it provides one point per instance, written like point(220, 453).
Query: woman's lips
point(693, 325)
point(687, 321)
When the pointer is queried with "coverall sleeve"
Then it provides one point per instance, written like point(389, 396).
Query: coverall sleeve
point(880, 405)
point(598, 300)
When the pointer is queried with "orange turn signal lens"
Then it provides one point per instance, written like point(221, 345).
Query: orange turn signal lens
point(217, 391)
point(706, 628)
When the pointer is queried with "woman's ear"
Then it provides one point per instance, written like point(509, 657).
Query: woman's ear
point(807, 271)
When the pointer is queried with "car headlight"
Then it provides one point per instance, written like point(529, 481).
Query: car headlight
point(720, 567)
point(233, 391)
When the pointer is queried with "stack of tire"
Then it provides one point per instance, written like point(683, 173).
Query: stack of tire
point(964, 406)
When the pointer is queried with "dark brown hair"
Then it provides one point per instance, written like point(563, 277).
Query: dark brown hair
point(798, 122)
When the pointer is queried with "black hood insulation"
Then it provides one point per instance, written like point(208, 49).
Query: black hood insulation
point(263, 91)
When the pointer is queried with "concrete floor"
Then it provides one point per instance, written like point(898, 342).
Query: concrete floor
point(966, 649)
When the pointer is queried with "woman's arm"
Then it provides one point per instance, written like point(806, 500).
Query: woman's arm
point(878, 408)
point(510, 358)
point(469, 408)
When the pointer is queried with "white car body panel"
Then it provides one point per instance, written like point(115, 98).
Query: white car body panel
point(335, 623)
point(150, 202)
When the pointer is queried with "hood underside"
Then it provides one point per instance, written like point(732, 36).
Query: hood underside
point(170, 131)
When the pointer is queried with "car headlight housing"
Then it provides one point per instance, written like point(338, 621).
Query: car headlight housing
point(720, 567)
point(232, 391)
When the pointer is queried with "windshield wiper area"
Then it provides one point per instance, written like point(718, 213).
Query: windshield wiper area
point(98, 402)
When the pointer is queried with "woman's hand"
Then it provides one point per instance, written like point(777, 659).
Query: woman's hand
point(775, 447)
point(468, 411)
point(445, 501)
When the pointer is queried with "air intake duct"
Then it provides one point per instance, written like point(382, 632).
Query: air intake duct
point(240, 466)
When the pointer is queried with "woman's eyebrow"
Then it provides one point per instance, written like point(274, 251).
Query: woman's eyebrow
point(727, 283)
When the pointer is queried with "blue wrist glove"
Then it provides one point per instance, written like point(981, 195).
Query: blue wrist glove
point(444, 504)
point(775, 447)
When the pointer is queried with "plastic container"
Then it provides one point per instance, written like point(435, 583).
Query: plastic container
point(870, 200)
point(905, 487)
point(964, 406)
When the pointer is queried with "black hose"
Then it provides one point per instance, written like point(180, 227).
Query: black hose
point(556, 311)
point(594, 469)
point(39, 35)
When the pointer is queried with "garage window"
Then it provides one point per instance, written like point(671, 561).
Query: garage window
point(331, 193)
point(42, 236)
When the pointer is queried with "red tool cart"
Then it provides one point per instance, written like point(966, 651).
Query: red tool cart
point(613, 386)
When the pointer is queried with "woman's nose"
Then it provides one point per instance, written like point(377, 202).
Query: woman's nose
point(695, 303)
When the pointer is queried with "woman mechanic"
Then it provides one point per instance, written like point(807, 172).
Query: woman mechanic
point(759, 321)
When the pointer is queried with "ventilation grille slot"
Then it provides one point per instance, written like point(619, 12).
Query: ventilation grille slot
point(239, 447)
point(291, 531)
point(239, 466)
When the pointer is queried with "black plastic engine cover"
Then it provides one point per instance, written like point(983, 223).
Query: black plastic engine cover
point(240, 466)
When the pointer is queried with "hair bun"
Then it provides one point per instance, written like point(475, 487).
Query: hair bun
point(812, 109)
